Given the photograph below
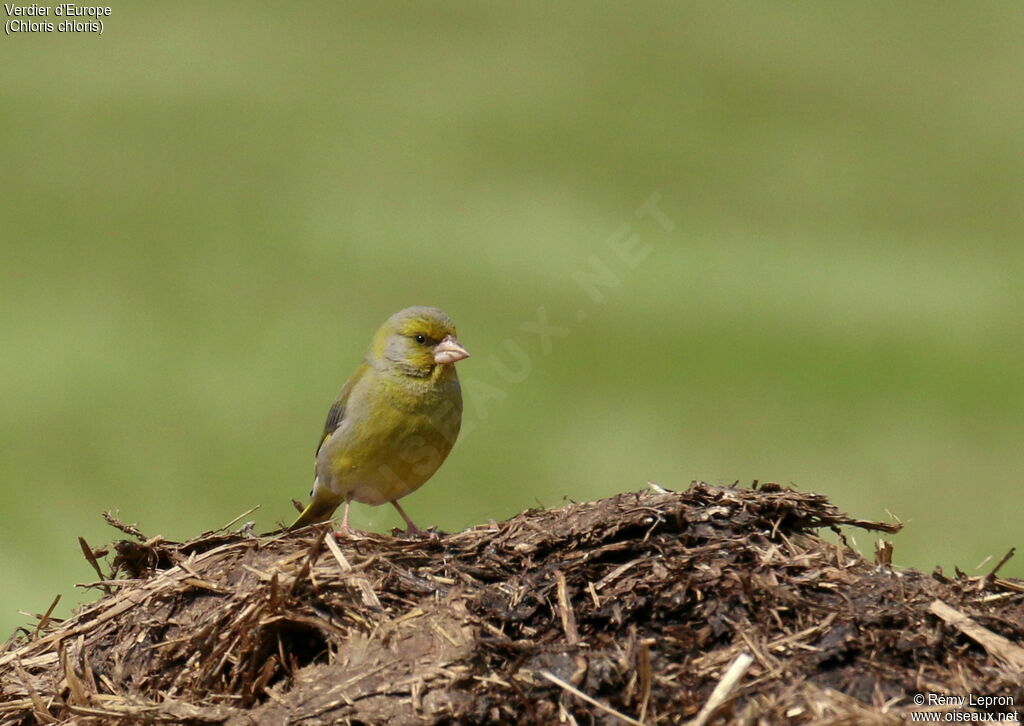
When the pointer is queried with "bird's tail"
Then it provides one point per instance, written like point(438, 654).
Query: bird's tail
point(318, 510)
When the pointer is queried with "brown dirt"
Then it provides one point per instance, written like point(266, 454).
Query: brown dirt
point(625, 610)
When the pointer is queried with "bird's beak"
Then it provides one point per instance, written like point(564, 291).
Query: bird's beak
point(449, 351)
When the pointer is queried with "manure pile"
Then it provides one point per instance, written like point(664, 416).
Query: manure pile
point(713, 605)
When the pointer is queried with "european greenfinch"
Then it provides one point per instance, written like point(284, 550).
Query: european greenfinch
point(395, 420)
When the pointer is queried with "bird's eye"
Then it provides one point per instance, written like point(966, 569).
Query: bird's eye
point(421, 339)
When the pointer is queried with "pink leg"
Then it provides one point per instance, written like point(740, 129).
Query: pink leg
point(411, 529)
point(346, 530)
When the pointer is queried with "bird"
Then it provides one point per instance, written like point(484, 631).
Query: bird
point(394, 422)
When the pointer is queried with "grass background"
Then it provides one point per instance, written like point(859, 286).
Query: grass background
point(207, 210)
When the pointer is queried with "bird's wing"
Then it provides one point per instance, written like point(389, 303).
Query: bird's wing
point(336, 414)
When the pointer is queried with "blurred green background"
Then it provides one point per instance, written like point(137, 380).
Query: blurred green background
point(207, 211)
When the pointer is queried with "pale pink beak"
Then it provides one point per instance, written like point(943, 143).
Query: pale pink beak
point(449, 351)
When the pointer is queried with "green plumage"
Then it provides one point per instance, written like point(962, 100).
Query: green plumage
point(395, 420)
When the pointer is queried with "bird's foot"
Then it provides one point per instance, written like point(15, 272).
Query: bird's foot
point(411, 530)
point(346, 532)
point(414, 532)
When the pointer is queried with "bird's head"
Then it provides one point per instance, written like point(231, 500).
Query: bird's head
point(416, 341)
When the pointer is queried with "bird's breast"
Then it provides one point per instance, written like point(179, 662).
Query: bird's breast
point(395, 439)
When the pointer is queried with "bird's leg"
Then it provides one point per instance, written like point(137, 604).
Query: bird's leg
point(411, 529)
point(346, 530)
